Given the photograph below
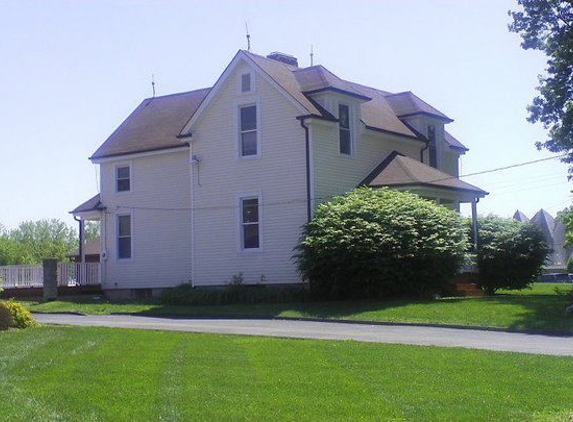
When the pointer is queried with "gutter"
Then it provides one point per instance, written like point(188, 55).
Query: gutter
point(308, 181)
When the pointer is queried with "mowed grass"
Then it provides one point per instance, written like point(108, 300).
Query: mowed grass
point(102, 374)
point(541, 308)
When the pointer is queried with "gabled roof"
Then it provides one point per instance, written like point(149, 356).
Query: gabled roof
point(519, 216)
point(399, 170)
point(157, 123)
point(153, 125)
point(92, 204)
point(408, 104)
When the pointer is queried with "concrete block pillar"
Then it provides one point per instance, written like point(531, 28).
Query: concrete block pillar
point(50, 279)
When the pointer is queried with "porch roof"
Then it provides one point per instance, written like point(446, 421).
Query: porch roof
point(92, 204)
point(398, 170)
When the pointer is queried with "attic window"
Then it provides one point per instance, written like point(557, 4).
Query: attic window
point(246, 82)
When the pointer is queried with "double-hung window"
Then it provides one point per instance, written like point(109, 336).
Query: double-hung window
point(123, 178)
point(344, 129)
point(250, 223)
point(124, 236)
point(432, 147)
point(248, 130)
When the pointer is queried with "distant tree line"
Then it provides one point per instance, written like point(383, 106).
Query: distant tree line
point(33, 241)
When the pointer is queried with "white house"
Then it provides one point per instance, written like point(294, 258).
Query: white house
point(210, 183)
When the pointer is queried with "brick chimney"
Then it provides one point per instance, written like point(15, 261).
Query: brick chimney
point(283, 57)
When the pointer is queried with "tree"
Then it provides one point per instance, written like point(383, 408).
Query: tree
point(92, 230)
point(510, 253)
point(547, 25)
point(36, 240)
point(372, 243)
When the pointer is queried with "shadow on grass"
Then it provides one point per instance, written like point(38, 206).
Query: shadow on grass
point(530, 313)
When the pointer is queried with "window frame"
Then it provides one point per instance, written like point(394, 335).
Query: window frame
point(117, 236)
point(349, 129)
point(251, 83)
point(239, 105)
point(432, 146)
point(116, 178)
point(241, 237)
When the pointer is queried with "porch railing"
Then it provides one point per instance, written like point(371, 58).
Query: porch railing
point(69, 274)
point(21, 276)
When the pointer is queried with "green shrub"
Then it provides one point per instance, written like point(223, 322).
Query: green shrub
point(233, 293)
point(373, 243)
point(21, 316)
point(6, 320)
point(511, 254)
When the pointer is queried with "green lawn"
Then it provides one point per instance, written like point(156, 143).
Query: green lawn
point(101, 374)
point(540, 308)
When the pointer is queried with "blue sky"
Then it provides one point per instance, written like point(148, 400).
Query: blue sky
point(71, 71)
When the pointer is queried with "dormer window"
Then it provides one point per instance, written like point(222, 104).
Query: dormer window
point(345, 142)
point(432, 147)
point(246, 85)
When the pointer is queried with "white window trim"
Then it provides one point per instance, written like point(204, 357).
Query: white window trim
point(123, 214)
point(240, 84)
point(245, 102)
point(240, 197)
point(352, 129)
point(120, 165)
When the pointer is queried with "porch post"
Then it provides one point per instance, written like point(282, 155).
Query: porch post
point(82, 236)
point(475, 223)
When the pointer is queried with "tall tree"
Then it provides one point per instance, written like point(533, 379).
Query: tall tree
point(547, 25)
point(43, 239)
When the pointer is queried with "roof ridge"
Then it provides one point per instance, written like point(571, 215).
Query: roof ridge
point(177, 93)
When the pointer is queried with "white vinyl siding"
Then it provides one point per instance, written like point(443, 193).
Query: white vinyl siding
point(280, 173)
point(160, 220)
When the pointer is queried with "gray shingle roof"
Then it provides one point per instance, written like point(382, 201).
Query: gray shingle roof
point(400, 170)
point(153, 125)
point(92, 204)
point(157, 122)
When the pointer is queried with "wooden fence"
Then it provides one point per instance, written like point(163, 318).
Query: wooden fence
point(69, 274)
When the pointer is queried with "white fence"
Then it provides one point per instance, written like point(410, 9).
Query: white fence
point(23, 276)
point(78, 274)
point(69, 274)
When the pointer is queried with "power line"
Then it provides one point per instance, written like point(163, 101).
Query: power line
point(325, 198)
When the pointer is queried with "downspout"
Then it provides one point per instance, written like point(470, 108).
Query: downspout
point(424, 149)
point(308, 181)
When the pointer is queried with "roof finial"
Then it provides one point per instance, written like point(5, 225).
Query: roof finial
point(311, 55)
point(153, 84)
point(248, 37)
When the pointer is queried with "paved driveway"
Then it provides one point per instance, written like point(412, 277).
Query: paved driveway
point(426, 336)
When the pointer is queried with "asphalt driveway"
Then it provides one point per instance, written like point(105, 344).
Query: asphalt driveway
point(398, 334)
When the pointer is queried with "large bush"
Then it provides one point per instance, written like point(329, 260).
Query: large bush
point(372, 243)
point(511, 254)
point(21, 316)
point(6, 320)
